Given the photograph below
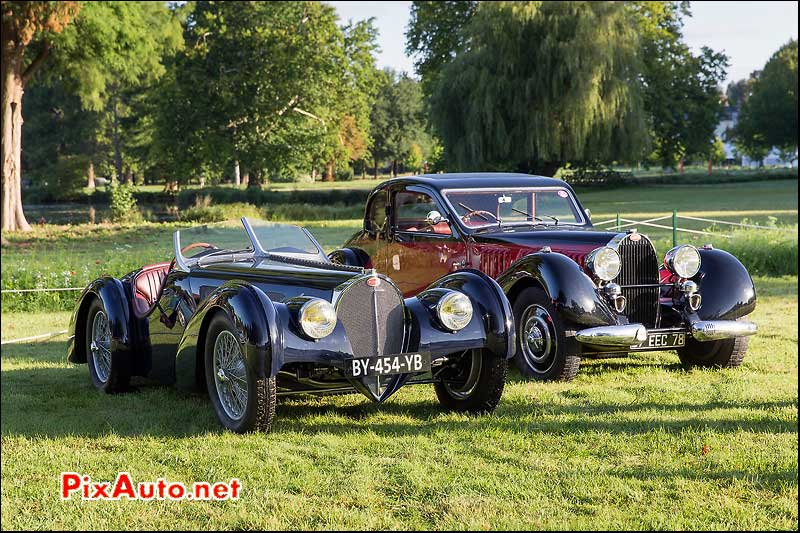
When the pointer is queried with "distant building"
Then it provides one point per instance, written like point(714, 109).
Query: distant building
point(729, 119)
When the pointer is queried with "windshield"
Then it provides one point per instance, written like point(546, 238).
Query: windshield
point(227, 241)
point(478, 208)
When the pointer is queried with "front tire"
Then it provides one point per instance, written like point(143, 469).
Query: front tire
point(242, 401)
point(108, 368)
point(474, 384)
point(542, 350)
point(725, 353)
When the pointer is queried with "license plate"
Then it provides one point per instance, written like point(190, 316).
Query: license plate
point(663, 340)
point(384, 365)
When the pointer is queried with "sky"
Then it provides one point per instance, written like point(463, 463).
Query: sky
point(749, 32)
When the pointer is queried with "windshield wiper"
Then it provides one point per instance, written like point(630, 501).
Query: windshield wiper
point(532, 217)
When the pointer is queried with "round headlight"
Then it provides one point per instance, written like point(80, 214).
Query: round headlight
point(604, 263)
point(454, 310)
point(683, 260)
point(317, 318)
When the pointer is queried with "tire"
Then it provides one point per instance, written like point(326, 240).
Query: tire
point(725, 353)
point(547, 356)
point(108, 369)
point(258, 410)
point(475, 385)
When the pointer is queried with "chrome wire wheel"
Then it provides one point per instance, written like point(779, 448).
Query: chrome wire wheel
point(538, 338)
point(463, 391)
point(230, 375)
point(100, 346)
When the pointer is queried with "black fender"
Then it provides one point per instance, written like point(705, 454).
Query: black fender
point(492, 324)
point(112, 293)
point(572, 292)
point(725, 284)
point(252, 313)
point(349, 256)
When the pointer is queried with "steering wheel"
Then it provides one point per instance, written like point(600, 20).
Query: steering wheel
point(466, 218)
point(196, 245)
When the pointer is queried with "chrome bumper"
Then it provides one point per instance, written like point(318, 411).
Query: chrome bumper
point(632, 334)
point(713, 330)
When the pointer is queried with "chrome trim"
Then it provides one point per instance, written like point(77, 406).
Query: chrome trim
point(688, 287)
point(669, 258)
point(713, 330)
point(624, 335)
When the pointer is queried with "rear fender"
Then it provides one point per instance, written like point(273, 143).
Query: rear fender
point(492, 324)
point(572, 292)
point(350, 256)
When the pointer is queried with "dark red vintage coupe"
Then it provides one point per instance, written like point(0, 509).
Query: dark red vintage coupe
point(576, 291)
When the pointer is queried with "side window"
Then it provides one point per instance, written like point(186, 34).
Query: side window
point(376, 215)
point(411, 212)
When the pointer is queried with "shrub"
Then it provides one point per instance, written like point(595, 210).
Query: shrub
point(124, 207)
point(345, 174)
point(204, 212)
point(765, 252)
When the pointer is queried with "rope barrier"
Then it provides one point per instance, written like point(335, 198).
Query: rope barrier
point(35, 337)
point(13, 291)
point(729, 223)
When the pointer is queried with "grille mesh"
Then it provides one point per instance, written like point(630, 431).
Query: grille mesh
point(372, 333)
point(639, 267)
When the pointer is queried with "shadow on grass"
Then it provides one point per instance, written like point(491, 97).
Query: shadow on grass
point(60, 401)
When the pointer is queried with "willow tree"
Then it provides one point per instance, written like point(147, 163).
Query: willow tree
point(536, 84)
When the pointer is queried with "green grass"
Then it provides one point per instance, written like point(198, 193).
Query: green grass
point(620, 447)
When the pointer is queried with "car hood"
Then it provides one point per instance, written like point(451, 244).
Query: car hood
point(554, 238)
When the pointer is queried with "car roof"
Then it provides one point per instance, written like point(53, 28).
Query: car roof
point(472, 180)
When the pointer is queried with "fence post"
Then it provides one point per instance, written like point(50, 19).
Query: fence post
point(674, 228)
point(618, 222)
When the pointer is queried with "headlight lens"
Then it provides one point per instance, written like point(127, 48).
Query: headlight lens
point(317, 318)
point(604, 263)
point(454, 310)
point(683, 260)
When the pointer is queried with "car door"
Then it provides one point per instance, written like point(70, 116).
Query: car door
point(372, 239)
point(418, 253)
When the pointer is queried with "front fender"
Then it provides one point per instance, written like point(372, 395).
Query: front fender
point(572, 292)
point(726, 287)
point(111, 292)
point(492, 325)
point(254, 316)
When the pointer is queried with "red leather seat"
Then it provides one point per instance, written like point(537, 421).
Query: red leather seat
point(147, 287)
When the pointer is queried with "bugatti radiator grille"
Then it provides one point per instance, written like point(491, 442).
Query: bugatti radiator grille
point(372, 316)
point(639, 267)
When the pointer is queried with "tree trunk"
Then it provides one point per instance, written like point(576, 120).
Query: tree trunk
point(237, 176)
point(375, 167)
point(90, 176)
point(680, 166)
point(13, 86)
point(202, 182)
point(116, 139)
point(394, 168)
point(329, 172)
point(254, 182)
point(128, 175)
point(710, 166)
point(246, 179)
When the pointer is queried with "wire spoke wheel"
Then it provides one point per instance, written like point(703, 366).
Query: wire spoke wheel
point(230, 375)
point(464, 384)
point(100, 346)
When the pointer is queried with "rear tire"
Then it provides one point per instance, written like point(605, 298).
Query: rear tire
point(725, 353)
point(542, 349)
point(108, 369)
point(475, 385)
point(242, 401)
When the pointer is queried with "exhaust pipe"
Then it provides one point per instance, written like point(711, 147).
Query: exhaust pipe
point(714, 330)
point(625, 335)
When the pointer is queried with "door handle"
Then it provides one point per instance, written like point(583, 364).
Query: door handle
point(458, 264)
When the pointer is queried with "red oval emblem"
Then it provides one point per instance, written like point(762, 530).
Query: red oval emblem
point(373, 282)
point(635, 237)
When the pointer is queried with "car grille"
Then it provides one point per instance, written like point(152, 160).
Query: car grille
point(373, 317)
point(639, 267)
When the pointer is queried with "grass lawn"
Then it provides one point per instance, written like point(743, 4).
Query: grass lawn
point(620, 447)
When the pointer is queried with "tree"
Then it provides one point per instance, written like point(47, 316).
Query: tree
point(92, 50)
point(536, 84)
point(681, 94)
point(27, 32)
point(768, 118)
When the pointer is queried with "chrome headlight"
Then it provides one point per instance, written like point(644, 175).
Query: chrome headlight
point(454, 310)
point(317, 318)
point(604, 263)
point(683, 260)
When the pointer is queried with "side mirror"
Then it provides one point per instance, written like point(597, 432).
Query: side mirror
point(588, 213)
point(434, 217)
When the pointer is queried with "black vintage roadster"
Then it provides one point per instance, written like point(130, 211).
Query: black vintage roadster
point(251, 313)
